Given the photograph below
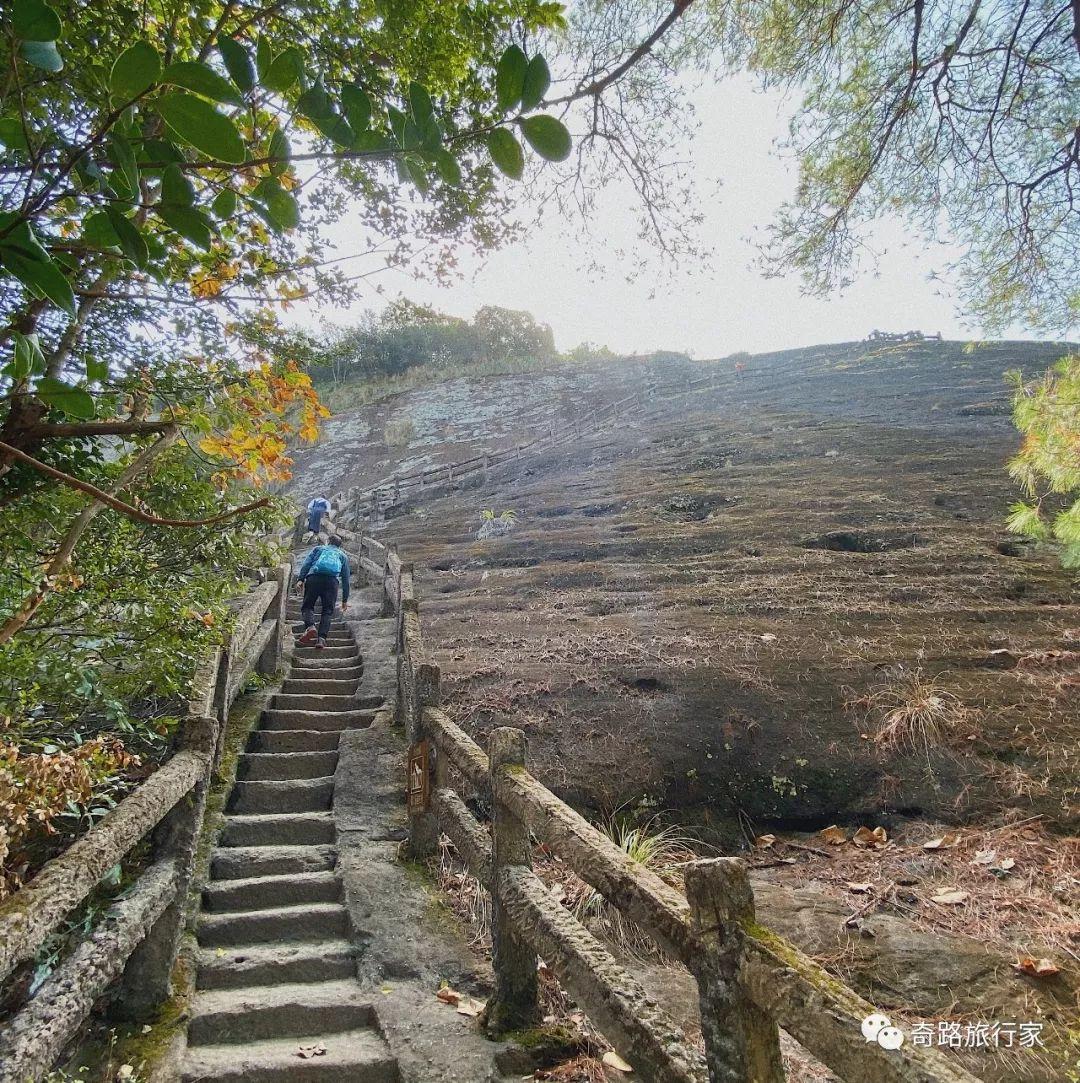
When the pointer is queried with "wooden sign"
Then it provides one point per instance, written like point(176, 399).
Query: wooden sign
point(417, 782)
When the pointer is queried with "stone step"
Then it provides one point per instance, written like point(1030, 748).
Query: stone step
point(263, 892)
point(341, 674)
point(320, 686)
point(274, 964)
point(242, 862)
point(313, 660)
point(284, 766)
point(343, 651)
point(288, 829)
point(338, 637)
point(316, 720)
point(351, 1056)
point(293, 1010)
point(277, 741)
point(313, 702)
point(308, 921)
point(292, 795)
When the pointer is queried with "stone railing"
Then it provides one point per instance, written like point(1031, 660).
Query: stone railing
point(135, 943)
point(750, 981)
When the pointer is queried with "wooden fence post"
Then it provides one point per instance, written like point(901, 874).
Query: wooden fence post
point(145, 984)
point(423, 823)
point(741, 1042)
point(514, 1004)
point(270, 660)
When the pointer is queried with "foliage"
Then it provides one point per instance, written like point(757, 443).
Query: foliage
point(951, 114)
point(406, 335)
point(1047, 413)
point(509, 516)
point(39, 786)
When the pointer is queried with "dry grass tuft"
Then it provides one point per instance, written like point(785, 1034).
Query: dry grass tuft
point(914, 712)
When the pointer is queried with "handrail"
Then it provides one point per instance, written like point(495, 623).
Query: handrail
point(751, 981)
point(137, 939)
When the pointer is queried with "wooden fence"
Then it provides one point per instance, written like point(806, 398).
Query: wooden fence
point(750, 980)
point(136, 941)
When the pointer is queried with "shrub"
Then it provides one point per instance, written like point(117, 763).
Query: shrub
point(399, 433)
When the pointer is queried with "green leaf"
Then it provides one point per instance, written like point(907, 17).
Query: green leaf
point(237, 63)
point(537, 81)
point(73, 401)
point(201, 78)
point(176, 188)
point(97, 370)
point(372, 142)
point(224, 205)
point(547, 136)
point(357, 107)
point(281, 205)
point(22, 254)
point(337, 129)
point(417, 174)
point(188, 221)
point(510, 77)
point(279, 148)
point(42, 54)
point(97, 231)
point(132, 242)
point(506, 152)
point(284, 70)
point(315, 103)
point(27, 357)
point(33, 20)
point(124, 177)
point(397, 123)
point(12, 135)
point(420, 103)
point(136, 69)
point(197, 122)
point(264, 56)
point(160, 151)
point(447, 167)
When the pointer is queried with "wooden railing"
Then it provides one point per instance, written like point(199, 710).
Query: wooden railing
point(136, 941)
point(359, 506)
point(750, 980)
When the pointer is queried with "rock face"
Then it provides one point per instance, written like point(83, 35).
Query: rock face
point(705, 609)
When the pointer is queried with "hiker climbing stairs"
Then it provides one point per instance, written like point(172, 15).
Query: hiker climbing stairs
point(277, 996)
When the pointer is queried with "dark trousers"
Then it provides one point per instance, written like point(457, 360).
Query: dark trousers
point(322, 589)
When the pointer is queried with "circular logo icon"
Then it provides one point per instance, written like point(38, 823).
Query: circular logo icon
point(873, 1024)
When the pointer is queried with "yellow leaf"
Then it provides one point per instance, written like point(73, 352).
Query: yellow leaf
point(613, 1060)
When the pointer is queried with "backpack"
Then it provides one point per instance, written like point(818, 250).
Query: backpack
point(327, 561)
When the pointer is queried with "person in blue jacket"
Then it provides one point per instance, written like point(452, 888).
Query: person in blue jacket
point(319, 575)
point(316, 509)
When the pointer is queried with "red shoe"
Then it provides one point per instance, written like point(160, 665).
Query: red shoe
point(309, 637)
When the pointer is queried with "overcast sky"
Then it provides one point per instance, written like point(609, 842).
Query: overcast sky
point(725, 307)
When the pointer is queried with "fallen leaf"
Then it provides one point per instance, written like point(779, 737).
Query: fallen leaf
point(949, 898)
point(386, 990)
point(613, 1060)
point(1037, 968)
point(306, 1052)
point(835, 836)
point(874, 840)
point(861, 889)
point(984, 857)
point(125, 1071)
point(220, 952)
point(1002, 868)
point(945, 842)
point(449, 996)
point(470, 1006)
point(768, 637)
point(763, 842)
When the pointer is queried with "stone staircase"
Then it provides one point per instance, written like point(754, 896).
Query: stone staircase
point(277, 995)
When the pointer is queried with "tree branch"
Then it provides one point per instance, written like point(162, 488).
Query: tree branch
point(119, 505)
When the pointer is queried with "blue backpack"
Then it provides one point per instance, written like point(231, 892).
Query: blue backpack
point(328, 560)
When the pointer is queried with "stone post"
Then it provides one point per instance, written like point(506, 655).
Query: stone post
point(514, 1005)
point(145, 984)
point(741, 1041)
point(270, 660)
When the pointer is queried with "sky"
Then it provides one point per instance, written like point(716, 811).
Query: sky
point(719, 308)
